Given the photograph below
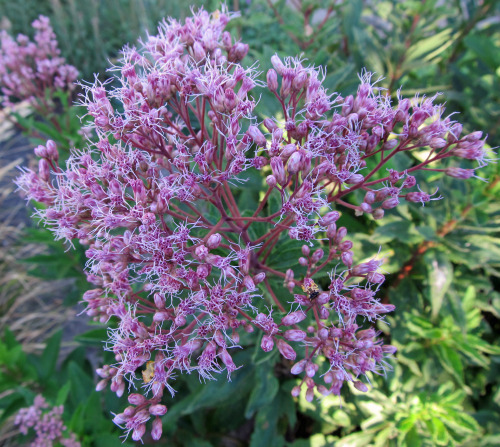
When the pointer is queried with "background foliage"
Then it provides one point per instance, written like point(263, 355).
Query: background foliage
point(443, 260)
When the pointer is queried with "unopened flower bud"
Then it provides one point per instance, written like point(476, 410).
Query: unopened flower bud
point(323, 334)
point(360, 386)
point(347, 258)
point(278, 170)
point(259, 277)
point(293, 318)
point(341, 234)
point(355, 179)
point(101, 385)
point(311, 369)
point(317, 255)
point(310, 394)
point(249, 283)
point(437, 143)
point(303, 262)
point(271, 181)
point(331, 231)
point(378, 214)
point(323, 298)
point(214, 241)
point(267, 343)
point(41, 151)
point(286, 350)
point(256, 135)
point(272, 80)
point(298, 367)
point(156, 429)
point(136, 399)
point(454, 134)
point(44, 169)
point(329, 218)
point(277, 64)
point(294, 163)
point(295, 335)
point(157, 410)
point(306, 250)
point(138, 432)
point(295, 391)
point(459, 172)
point(389, 203)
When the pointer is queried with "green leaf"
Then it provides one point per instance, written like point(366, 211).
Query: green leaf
point(460, 421)
point(440, 276)
point(439, 433)
point(50, 355)
point(265, 429)
point(265, 389)
point(450, 360)
point(93, 337)
point(63, 394)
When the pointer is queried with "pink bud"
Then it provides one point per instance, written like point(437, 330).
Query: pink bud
point(293, 318)
point(41, 151)
point(323, 334)
point(272, 80)
point(157, 410)
point(295, 391)
point(201, 252)
point(286, 350)
point(323, 298)
point(360, 386)
point(267, 343)
point(138, 432)
point(294, 163)
point(227, 360)
point(198, 51)
point(295, 335)
point(278, 170)
point(256, 135)
point(52, 151)
point(310, 394)
point(270, 125)
point(329, 218)
point(298, 367)
point(259, 277)
point(306, 250)
point(317, 255)
point(271, 181)
point(459, 172)
point(389, 203)
point(136, 399)
point(44, 169)
point(355, 179)
point(311, 369)
point(437, 143)
point(101, 385)
point(157, 429)
point(303, 262)
point(159, 301)
point(249, 283)
point(214, 241)
point(277, 64)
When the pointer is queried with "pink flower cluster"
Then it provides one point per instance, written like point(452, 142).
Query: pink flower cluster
point(48, 425)
point(171, 253)
point(33, 70)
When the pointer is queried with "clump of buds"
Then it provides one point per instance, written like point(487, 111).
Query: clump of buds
point(174, 255)
point(33, 70)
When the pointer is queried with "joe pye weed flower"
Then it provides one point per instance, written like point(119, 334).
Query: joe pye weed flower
point(177, 262)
